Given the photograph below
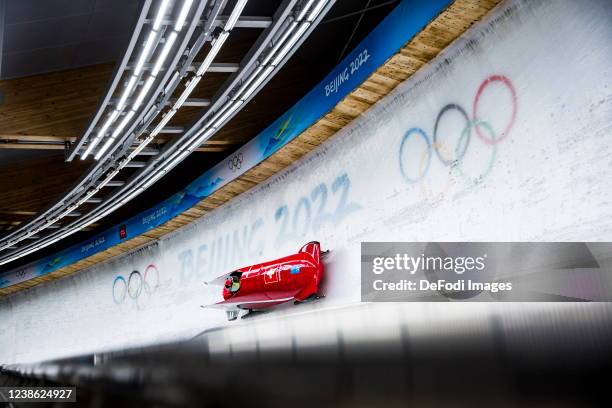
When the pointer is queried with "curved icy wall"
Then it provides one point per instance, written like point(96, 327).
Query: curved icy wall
point(504, 137)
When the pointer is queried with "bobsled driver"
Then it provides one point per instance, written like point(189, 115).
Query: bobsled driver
point(232, 284)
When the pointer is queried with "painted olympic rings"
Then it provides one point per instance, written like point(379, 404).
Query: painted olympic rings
point(235, 163)
point(135, 284)
point(453, 158)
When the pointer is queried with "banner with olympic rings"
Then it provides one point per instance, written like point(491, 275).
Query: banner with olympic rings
point(453, 157)
point(137, 284)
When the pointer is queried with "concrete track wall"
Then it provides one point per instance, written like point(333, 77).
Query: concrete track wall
point(504, 137)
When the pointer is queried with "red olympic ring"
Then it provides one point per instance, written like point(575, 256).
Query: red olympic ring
point(504, 80)
point(147, 288)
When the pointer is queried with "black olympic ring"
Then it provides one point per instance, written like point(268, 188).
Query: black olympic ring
point(235, 162)
point(460, 151)
point(135, 276)
point(135, 284)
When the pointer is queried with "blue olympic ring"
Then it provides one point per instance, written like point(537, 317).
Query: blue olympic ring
point(407, 135)
point(119, 279)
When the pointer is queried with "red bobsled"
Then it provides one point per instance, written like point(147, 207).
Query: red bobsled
point(256, 287)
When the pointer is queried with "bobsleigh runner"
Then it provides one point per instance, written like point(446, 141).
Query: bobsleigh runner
point(254, 288)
